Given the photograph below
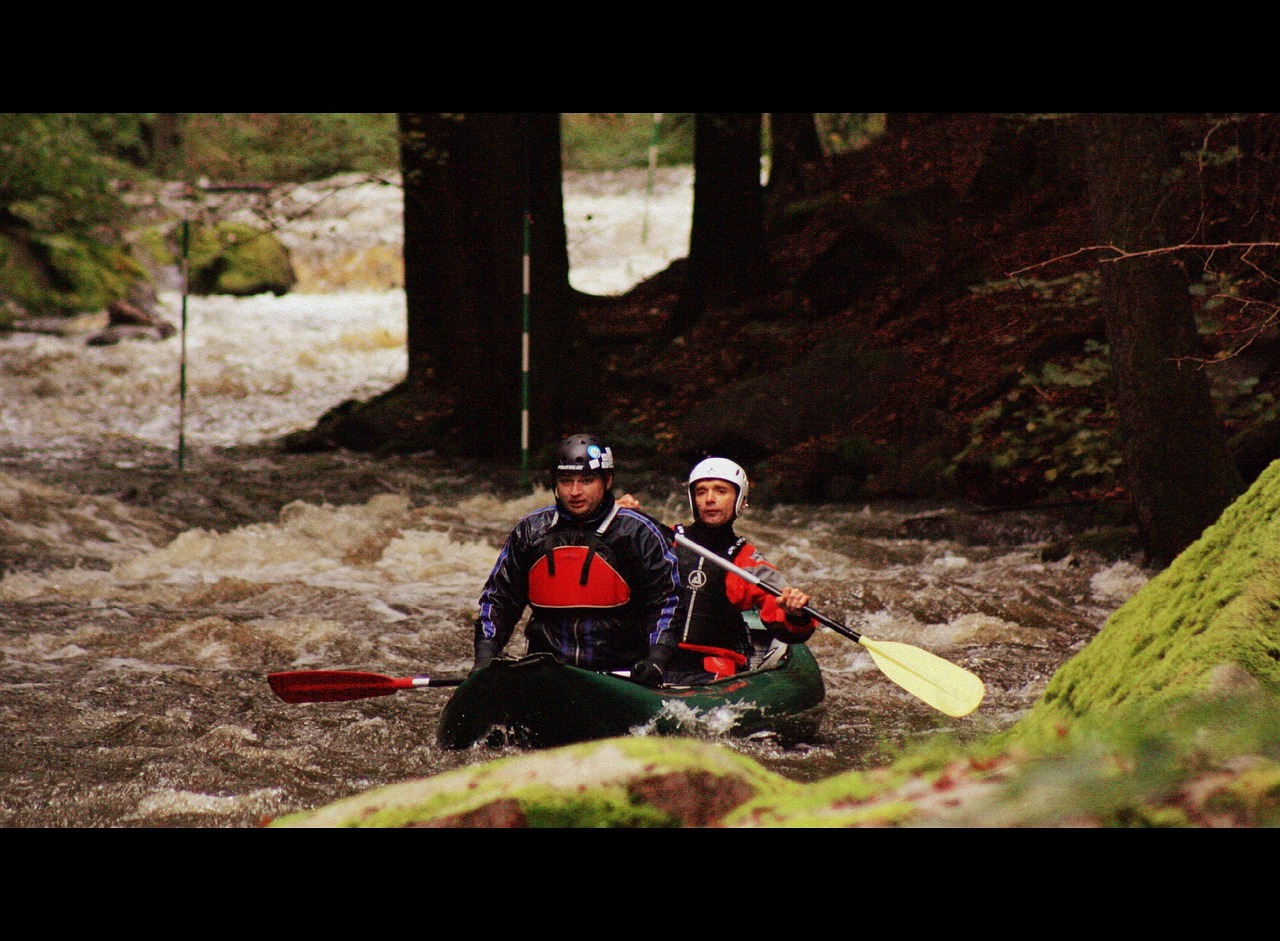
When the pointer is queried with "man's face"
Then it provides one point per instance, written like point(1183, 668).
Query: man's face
point(581, 491)
point(714, 500)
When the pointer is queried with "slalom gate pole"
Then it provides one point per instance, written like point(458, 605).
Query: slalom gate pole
point(182, 358)
point(524, 362)
point(527, 224)
point(653, 165)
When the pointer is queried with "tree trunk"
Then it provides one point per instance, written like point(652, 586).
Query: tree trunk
point(1177, 467)
point(165, 134)
point(727, 252)
point(476, 186)
point(796, 152)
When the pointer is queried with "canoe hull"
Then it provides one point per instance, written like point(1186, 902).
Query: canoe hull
point(538, 702)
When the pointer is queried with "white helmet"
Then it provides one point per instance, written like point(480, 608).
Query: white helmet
point(720, 468)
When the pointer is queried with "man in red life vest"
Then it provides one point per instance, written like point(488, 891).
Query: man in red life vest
point(601, 580)
point(712, 599)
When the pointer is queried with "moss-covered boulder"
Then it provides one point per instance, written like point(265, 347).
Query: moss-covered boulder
point(237, 259)
point(62, 274)
point(1206, 628)
point(621, 782)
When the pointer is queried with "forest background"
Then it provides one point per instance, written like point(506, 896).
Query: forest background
point(1012, 308)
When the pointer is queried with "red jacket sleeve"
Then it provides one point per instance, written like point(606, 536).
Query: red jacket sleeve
point(745, 596)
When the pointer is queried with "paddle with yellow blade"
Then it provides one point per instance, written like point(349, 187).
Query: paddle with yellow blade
point(940, 683)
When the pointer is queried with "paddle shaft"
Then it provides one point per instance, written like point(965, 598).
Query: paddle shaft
point(941, 684)
point(755, 580)
point(342, 685)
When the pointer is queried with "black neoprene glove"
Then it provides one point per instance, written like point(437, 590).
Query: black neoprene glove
point(650, 670)
point(486, 650)
point(647, 674)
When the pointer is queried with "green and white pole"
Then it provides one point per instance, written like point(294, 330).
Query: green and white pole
point(653, 166)
point(524, 361)
point(182, 356)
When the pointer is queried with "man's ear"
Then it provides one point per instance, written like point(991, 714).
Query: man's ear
point(608, 481)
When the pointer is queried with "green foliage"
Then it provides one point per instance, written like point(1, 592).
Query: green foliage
point(1056, 427)
point(594, 142)
point(54, 177)
point(91, 274)
point(1078, 289)
point(599, 142)
point(840, 133)
point(288, 147)
point(1217, 288)
point(124, 137)
point(61, 215)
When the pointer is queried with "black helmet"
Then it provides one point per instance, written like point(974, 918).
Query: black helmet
point(583, 453)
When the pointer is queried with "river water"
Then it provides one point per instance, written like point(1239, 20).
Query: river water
point(160, 556)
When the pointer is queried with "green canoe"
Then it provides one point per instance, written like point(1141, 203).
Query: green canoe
point(538, 702)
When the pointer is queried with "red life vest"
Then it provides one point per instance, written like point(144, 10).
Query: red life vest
point(575, 572)
point(576, 577)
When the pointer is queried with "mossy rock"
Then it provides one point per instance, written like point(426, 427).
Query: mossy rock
point(237, 259)
point(1207, 626)
point(64, 274)
point(614, 783)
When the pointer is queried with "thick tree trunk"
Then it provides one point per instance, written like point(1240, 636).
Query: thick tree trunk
point(1176, 464)
point(478, 187)
point(728, 257)
point(796, 153)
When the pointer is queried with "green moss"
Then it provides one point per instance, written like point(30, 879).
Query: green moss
point(65, 273)
point(89, 274)
point(588, 786)
point(609, 808)
point(152, 246)
point(1210, 608)
point(1253, 796)
point(1150, 817)
point(237, 259)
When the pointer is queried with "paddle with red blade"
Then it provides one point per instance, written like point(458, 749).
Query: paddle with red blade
point(342, 685)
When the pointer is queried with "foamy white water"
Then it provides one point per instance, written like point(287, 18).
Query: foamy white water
point(247, 370)
point(624, 227)
point(255, 368)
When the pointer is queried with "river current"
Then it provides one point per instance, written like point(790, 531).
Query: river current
point(159, 556)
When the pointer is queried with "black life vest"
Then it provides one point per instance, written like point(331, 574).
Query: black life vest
point(706, 616)
point(577, 570)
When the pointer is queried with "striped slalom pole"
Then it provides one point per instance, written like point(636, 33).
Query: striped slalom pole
point(653, 166)
point(526, 238)
point(182, 357)
point(524, 361)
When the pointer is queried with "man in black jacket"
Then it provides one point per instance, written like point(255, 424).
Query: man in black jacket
point(601, 580)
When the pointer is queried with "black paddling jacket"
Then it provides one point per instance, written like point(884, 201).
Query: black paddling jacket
point(602, 590)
